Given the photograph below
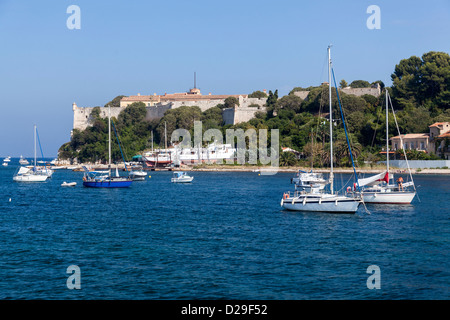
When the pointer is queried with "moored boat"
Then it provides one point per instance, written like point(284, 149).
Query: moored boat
point(314, 197)
point(378, 189)
point(181, 177)
point(106, 180)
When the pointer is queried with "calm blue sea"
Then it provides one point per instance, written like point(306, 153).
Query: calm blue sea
point(222, 237)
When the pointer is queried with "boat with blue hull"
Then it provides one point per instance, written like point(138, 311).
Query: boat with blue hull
point(112, 182)
point(92, 179)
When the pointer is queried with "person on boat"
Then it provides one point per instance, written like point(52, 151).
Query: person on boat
point(400, 183)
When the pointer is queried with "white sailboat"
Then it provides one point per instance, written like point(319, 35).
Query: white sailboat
point(377, 188)
point(316, 199)
point(91, 179)
point(30, 174)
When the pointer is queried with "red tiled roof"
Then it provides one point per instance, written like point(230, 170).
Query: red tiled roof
point(196, 97)
point(444, 135)
point(436, 124)
point(180, 97)
point(140, 98)
point(412, 136)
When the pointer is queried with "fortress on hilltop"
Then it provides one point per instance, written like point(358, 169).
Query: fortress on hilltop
point(157, 105)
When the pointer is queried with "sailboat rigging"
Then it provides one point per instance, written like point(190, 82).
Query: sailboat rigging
point(377, 189)
point(315, 199)
point(31, 175)
point(94, 180)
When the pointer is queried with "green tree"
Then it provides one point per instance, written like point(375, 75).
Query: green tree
point(360, 84)
point(230, 102)
point(287, 159)
point(115, 103)
point(257, 94)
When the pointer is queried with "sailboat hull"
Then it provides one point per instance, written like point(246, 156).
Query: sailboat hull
point(333, 204)
point(107, 183)
point(388, 197)
point(30, 178)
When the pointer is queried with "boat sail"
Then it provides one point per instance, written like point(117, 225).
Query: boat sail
point(315, 199)
point(94, 180)
point(376, 189)
point(25, 174)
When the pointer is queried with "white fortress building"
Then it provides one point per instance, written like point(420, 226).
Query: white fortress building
point(157, 105)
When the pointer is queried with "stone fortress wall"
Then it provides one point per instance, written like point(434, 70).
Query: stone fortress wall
point(156, 108)
point(374, 90)
point(157, 105)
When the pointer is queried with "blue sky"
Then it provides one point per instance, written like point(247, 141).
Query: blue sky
point(235, 47)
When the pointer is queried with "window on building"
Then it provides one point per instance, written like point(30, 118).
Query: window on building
point(422, 146)
point(395, 146)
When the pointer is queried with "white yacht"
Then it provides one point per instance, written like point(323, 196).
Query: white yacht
point(181, 177)
point(378, 188)
point(315, 198)
point(137, 173)
point(23, 161)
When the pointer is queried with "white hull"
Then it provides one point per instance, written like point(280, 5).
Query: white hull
point(138, 176)
point(30, 178)
point(68, 184)
point(388, 197)
point(182, 180)
point(321, 203)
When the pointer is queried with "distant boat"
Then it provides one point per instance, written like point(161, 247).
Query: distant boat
point(68, 184)
point(30, 174)
point(23, 161)
point(102, 180)
point(181, 177)
point(309, 181)
point(137, 173)
point(5, 164)
point(7, 159)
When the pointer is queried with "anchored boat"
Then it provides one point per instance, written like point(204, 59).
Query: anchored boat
point(102, 180)
point(314, 197)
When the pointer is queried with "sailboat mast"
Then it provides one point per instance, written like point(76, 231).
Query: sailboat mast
point(387, 135)
point(331, 121)
point(165, 135)
point(109, 139)
point(35, 147)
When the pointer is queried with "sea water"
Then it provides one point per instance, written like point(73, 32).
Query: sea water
point(223, 236)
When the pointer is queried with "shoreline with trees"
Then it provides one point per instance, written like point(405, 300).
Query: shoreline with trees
point(420, 93)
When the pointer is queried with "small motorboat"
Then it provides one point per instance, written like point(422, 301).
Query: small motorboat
point(137, 173)
point(181, 177)
point(68, 184)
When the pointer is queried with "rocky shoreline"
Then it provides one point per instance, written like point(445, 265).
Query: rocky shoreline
point(244, 168)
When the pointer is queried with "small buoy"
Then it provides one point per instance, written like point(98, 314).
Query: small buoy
point(149, 177)
point(259, 174)
point(9, 199)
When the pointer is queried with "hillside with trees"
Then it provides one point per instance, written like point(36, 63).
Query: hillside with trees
point(420, 93)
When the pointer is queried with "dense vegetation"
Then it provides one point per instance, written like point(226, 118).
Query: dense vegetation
point(420, 94)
